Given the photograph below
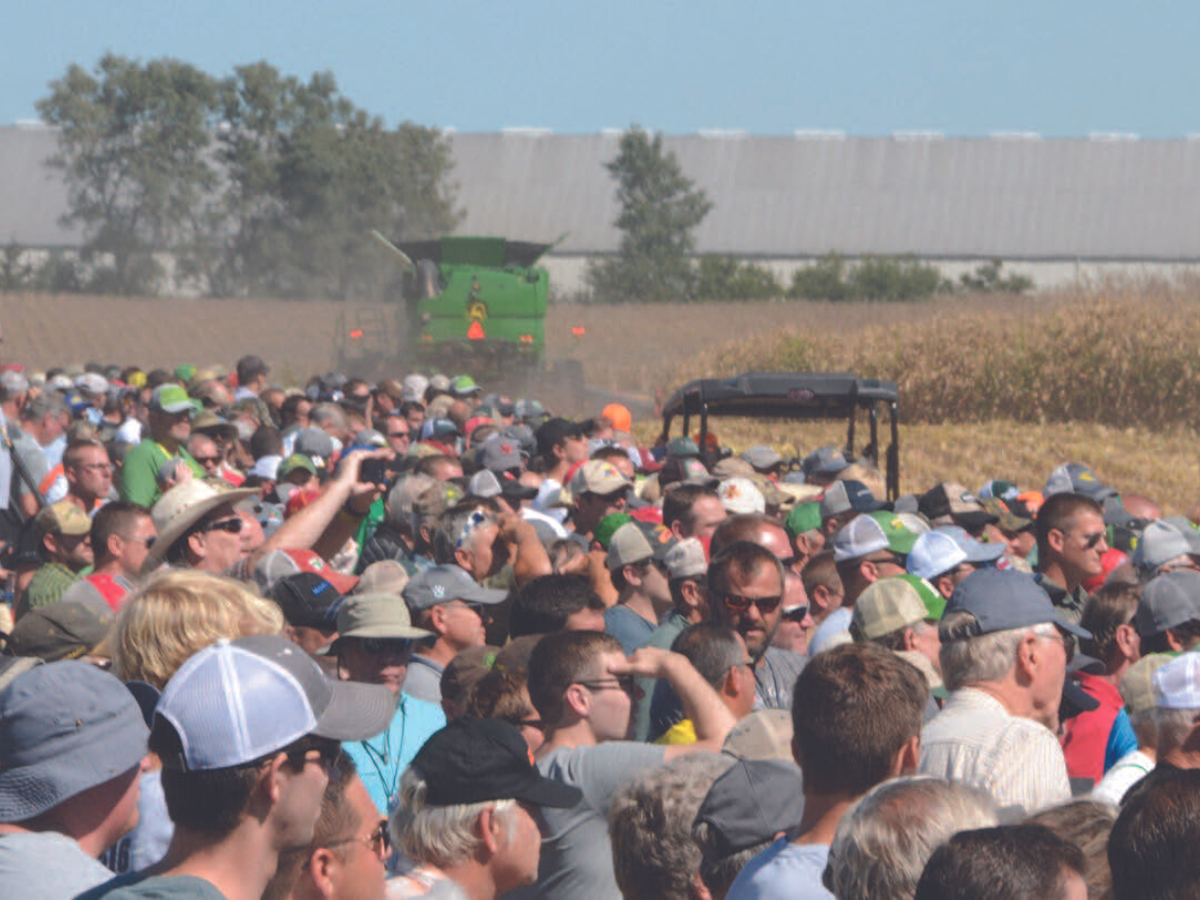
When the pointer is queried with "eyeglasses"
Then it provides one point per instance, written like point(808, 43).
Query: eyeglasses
point(149, 542)
point(378, 841)
point(529, 723)
point(95, 467)
point(1091, 540)
point(891, 558)
point(1066, 640)
point(233, 526)
point(393, 646)
point(796, 615)
point(397, 435)
point(207, 460)
point(626, 683)
point(738, 604)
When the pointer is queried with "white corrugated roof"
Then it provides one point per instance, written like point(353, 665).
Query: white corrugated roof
point(790, 196)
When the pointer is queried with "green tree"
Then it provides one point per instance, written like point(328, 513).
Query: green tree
point(825, 279)
point(133, 149)
point(987, 279)
point(660, 210)
point(728, 278)
point(311, 175)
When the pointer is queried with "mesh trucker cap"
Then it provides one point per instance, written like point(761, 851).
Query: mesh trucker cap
point(238, 701)
point(849, 496)
point(636, 541)
point(1177, 684)
point(886, 606)
point(1137, 686)
point(945, 547)
point(871, 533)
point(1001, 599)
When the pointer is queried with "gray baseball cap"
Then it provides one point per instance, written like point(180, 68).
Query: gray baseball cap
point(65, 727)
point(1002, 599)
point(751, 803)
point(1167, 602)
point(442, 584)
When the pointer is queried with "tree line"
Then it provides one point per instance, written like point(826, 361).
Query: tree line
point(263, 184)
point(258, 183)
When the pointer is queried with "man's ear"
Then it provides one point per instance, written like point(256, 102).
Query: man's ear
point(907, 758)
point(796, 754)
point(1127, 641)
point(1056, 539)
point(944, 585)
point(910, 639)
point(50, 545)
point(437, 619)
point(697, 889)
point(578, 700)
point(632, 576)
point(488, 828)
point(322, 868)
point(1028, 658)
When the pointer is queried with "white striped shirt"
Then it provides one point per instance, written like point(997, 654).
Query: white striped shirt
point(976, 741)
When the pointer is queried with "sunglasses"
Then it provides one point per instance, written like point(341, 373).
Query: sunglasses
point(738, 604)
point(233, 526)
point(1090, 541)
point(797, 614)
point(379, 646)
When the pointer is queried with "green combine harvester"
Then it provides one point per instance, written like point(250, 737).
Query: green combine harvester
point(470, 304)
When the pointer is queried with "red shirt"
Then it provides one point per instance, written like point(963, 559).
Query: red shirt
point(1085, 737)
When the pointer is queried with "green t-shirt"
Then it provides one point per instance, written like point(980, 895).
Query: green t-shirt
point(139, 471)
point(47, 586)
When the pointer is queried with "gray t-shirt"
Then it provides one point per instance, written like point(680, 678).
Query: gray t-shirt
point(424, 679)
point(775, 678)
point(46, 865)
point(159, 887)
point(576, 851)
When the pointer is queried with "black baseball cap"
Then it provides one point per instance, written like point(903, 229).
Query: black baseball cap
point(476, 760)
point(307, 600)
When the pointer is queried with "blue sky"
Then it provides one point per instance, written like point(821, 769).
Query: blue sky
point(868, 68)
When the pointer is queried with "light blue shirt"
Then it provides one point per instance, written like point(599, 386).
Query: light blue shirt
point(381, 760)
point(784, 870)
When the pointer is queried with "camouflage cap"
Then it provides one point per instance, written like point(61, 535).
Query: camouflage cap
point(63, 517)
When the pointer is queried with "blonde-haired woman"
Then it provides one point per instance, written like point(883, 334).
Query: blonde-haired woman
point(173, 615)
point(178, 612)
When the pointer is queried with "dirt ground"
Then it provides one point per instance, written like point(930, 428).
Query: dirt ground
point(628, 347)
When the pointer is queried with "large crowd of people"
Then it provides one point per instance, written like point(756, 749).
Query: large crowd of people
point(353, 641)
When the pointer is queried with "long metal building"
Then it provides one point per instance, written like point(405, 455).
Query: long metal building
point(1057, 210)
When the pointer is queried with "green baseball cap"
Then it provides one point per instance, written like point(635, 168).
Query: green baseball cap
point(803, 517)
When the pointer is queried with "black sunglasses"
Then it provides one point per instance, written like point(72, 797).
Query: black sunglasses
point(233, 526)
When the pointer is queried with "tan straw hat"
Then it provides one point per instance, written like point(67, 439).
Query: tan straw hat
point(182, 507)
